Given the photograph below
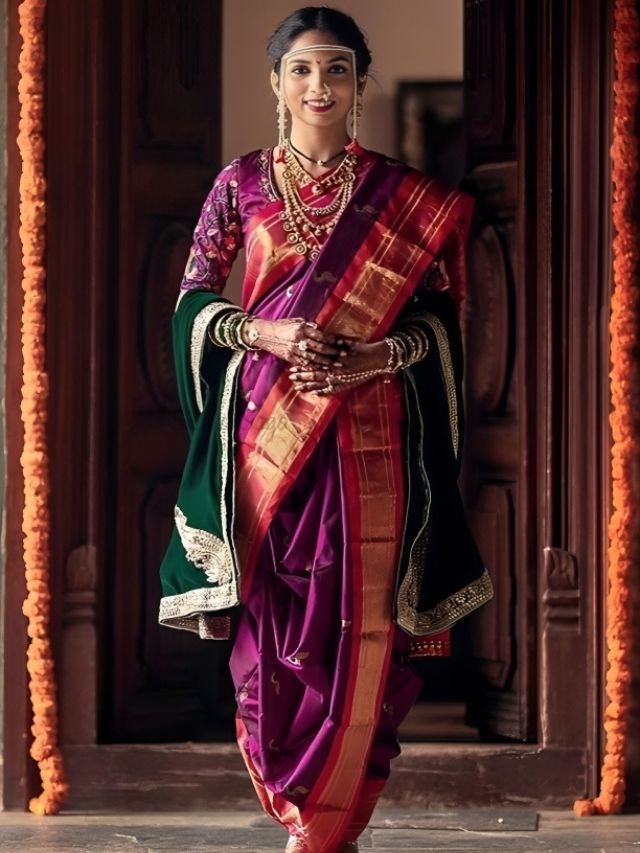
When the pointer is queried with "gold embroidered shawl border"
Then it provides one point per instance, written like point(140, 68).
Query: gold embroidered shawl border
point(216, 557)
point(453, 608)
point(205, 550)
point(198, 339)
point(188, 610)
point(447, 612)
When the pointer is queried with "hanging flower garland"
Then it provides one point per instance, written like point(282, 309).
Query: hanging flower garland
point(625, 311)
point(34, 460)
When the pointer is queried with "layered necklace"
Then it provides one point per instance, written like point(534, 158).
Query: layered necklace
point(304, 223)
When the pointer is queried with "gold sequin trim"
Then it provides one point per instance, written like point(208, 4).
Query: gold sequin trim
point(449, 611)
point(428, 648)
point(188, 610)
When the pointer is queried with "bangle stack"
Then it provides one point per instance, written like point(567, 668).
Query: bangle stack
point(406, 347)
point(227, 331)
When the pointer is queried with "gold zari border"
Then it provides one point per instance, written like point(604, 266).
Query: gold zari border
point(189, 610)
point(449, 611)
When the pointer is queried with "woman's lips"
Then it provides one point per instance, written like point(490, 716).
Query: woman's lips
point(319, 106)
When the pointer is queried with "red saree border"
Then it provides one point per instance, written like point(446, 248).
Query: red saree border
point(374, 535)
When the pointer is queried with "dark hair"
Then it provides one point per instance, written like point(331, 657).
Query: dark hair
point(331, 21)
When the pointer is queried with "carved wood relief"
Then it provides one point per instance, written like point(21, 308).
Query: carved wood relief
point(489, 38)
point(492, 473)
point(489, 321)
point(175, 68)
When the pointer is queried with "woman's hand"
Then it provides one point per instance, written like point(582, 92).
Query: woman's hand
point(362, 356)
point(301, 343)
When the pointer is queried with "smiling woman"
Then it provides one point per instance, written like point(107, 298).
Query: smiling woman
point(314, 494)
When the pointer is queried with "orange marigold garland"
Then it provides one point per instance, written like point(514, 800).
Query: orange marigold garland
point(35, 521)
point(625, 311)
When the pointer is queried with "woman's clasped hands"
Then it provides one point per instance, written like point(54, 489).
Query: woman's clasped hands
point(320, 361)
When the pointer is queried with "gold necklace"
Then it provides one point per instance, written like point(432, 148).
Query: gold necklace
point(300, 220)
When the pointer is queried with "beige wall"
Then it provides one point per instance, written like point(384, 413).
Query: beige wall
point(409, 39)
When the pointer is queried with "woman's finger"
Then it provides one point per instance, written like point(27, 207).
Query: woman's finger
point(315, 334)
point(317, 359)
point(311, 345)
point(308, 376)
point(328, 349)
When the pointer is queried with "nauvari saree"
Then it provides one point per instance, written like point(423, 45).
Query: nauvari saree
point(328, 530)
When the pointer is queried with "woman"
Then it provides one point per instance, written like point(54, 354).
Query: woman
point(325, 420)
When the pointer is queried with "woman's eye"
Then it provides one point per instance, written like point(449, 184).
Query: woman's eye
point(338, 69)
point(299, 69)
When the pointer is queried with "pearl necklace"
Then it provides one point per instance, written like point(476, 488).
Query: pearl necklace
point(300, 220)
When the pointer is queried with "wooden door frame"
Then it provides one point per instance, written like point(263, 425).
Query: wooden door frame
point(560, 108)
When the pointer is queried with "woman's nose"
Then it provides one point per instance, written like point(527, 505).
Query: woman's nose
point(319, 82)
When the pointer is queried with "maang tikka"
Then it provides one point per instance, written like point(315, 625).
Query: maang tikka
point(355, 111)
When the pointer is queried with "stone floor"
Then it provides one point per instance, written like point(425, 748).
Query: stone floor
point(465, 831)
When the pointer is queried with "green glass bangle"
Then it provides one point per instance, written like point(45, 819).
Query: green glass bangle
point(215, 329)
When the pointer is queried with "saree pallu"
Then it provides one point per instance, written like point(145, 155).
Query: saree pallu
point(310, 512)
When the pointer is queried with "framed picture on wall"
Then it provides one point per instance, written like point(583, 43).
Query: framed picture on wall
point(431, 127)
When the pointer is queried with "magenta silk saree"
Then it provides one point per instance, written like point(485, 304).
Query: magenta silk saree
point(321, 509)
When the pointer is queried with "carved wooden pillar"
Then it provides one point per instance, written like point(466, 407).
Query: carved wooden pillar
point(562, 648)
point(78, 719)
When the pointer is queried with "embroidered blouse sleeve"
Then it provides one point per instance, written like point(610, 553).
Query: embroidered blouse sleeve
point(217, 236)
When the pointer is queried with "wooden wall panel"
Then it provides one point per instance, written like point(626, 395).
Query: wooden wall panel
point(169, 144)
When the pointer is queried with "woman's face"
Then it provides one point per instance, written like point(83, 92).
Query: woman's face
point(318, 84)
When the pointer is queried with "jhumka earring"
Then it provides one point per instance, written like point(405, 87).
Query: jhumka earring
point(354, 146)
point(354, 116)
point(282, 120)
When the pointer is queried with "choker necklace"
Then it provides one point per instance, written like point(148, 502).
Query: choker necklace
point(311, 159)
